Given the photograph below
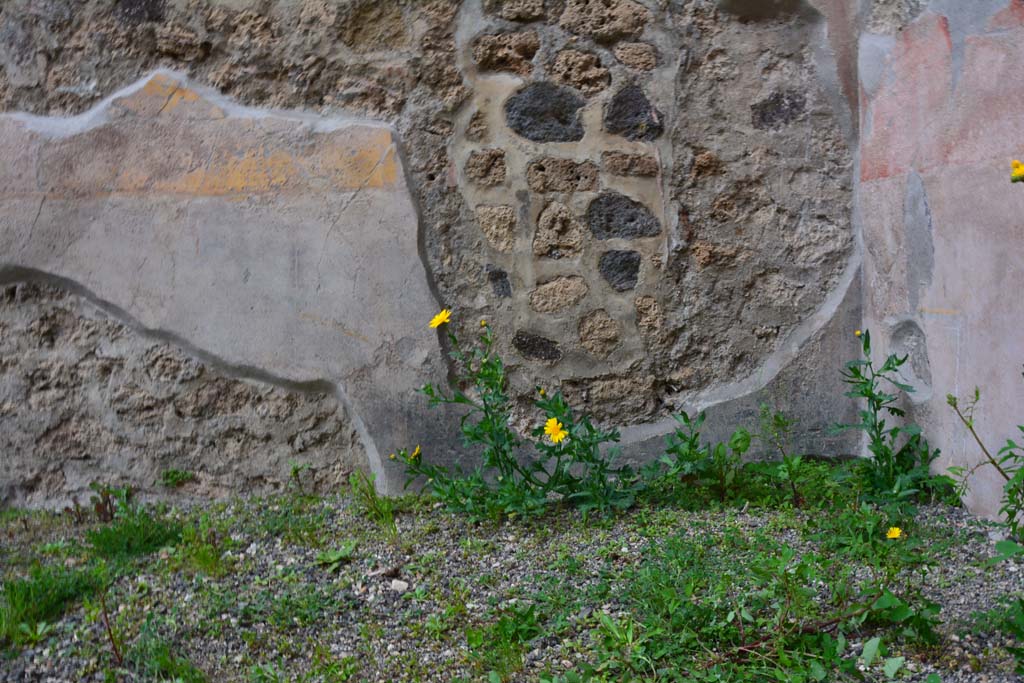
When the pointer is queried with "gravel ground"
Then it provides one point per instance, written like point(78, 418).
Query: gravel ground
point(401, 611)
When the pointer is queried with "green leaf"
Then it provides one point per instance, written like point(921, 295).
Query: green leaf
point(886, 601)
point(892, 665)
point(493, 677)
point(933, 678)
point(871, 650)
point(740, 441)
point(818, 672)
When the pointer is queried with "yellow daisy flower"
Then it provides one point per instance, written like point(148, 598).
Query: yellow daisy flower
point(1016, 172)
point(441, 318)
point(553, 428)
point(857, 333)
point(415, 454)
point(894, 533)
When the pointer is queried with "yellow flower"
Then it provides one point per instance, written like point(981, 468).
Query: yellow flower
point(857, 333)
point(1017, 172)
point(483, 323)
point(894, 532)
point(415, 454)
point(441, 318)
point(542, 393)
point(392, 456)
point(553, 428)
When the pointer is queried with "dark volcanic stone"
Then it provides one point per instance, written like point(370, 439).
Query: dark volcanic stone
point(616, 215)
point(631, 115)
point(499, 282)
point(620, 268)
point(761, 9)
point(139, 11)
point(544, 112)
point(780, 109)
point(535, 347)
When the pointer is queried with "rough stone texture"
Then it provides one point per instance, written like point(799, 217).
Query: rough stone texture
point(614, 215)
point(705, 164)
point(559, 234)
point(639, 56)
point(614, 397)
point(243, 235)
point(499, 225)
point(477, 130)
point(599, 333)
point(606, 21)
point(799, 384)
point(580, 70)
point(765, 234)
point(500, 284)
point(941, 221)
point(545, 112)
point(558, 294)
point(620, 269)
point(630, 114)
point(517, 10)
point(555, 174)
point(779, 109)
point(626, 164)
point(649, 319)
point(512, 52)
point(486, 167)
point(536, 347)
point(888, 17)
point(759, 10)
point(104, 403)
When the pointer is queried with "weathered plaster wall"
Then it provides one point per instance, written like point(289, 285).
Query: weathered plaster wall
point(651, 203)
point(942, 228)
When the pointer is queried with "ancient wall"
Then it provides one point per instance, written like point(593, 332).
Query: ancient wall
point(651, 203)
point(942, 229)
point(92, 397)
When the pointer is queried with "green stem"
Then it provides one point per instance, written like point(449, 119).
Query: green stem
point(977, 439)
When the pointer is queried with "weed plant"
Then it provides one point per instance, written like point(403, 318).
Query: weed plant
point(380, 509)
point(900, 456)
point(175, 479)
point(154, 657)
point(571, 467)
point(28, 603)
point(1008, 462)
point(133, 532)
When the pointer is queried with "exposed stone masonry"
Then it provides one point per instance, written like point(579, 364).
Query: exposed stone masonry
point(106, 404)
point(541, 139)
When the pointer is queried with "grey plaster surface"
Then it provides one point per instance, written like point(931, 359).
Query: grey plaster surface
point(279, 245)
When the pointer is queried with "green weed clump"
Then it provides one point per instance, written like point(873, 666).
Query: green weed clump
point(717, 467)
point(175, 479)
point(899, 466)
point(28, 605)
point(380, 509)
point(133, 533)
point(726, 606)
point(572, 465)
point(154, 657)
